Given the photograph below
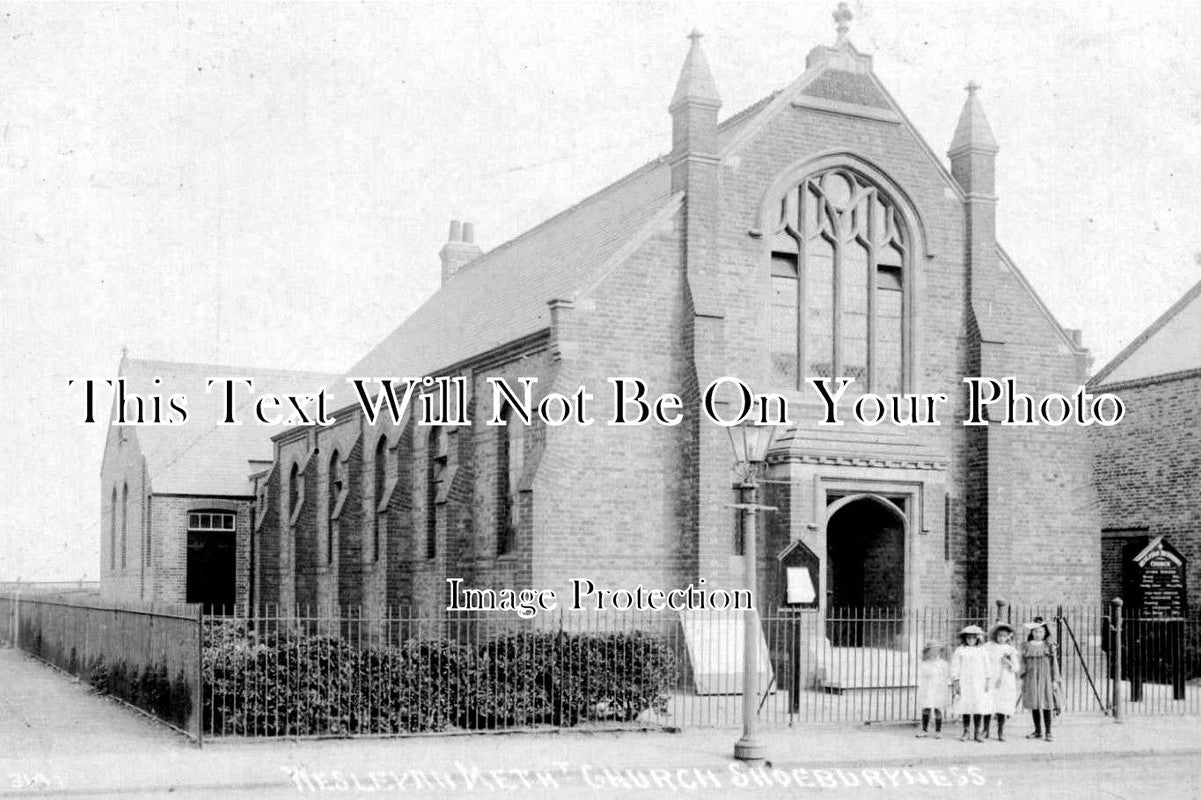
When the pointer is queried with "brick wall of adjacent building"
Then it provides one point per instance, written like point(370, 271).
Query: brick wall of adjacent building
point(1148, 471)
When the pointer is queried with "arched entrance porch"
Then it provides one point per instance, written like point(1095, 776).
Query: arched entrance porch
point(865, 569)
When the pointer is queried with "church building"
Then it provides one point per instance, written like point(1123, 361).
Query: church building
point(814, 234)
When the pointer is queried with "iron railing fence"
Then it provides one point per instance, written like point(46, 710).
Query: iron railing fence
point(402, 671)
point(143, 654)
point(346, 672)
point(1160, 662)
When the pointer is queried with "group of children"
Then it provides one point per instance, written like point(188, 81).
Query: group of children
point(990, 679)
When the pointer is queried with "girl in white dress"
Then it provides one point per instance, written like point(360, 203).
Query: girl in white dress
point(933, 688)
point(970, 681)
point(1004, 666)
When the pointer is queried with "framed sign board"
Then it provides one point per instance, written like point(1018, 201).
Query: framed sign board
point(800, 571)
point(1154, 578)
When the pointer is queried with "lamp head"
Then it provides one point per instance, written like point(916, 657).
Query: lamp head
point(750, 443)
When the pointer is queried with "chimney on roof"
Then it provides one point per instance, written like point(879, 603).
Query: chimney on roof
point(460, 249)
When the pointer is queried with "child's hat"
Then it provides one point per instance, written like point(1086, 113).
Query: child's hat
point(1038, 622)
point(972, 630)
point(1000, 626)
point(931, 646)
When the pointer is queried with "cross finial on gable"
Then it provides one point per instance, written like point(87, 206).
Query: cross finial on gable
point(843, 15)
point(695, 36)
point(972, 87)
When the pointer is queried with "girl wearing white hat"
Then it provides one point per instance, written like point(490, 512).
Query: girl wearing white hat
point(970, 682)
point(1004, 664)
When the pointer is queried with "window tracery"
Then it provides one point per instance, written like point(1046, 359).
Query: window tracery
point(840, 253)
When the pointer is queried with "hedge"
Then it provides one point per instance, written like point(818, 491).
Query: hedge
point(303, 685)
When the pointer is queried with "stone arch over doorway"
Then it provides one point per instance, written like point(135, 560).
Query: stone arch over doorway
point(865, 567)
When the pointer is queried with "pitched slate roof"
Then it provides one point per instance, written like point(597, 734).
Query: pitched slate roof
point(501, 296)
point(201, 457)
point(1167, 346)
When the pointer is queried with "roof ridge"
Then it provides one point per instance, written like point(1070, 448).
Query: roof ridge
point(749, 110)
point(657, 161)
point(194, 365)
point(1148, 332)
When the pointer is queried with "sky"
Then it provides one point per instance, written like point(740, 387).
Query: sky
point(269, 185)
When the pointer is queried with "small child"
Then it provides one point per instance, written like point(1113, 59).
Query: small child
point(970, 681)
point(1040, 677)
point(933, 688)
point(1004, 664)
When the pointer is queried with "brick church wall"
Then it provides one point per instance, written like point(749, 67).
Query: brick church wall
point(605, 499)
point(349, 538)
point(299, 542)
point(400, 557)
point(268, 543)
point(477, 560)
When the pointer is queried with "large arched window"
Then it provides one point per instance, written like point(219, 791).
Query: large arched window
point(508, 474)
point(840, 253)
point(335, 491)
point(381, 479)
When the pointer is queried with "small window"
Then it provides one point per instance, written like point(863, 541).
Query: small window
point(509, 451)
point(335, 491)
point(112, 531)
point(211, 521)
point(435, 473)
point(124, 523)
point(294, 489)
point(381, 481)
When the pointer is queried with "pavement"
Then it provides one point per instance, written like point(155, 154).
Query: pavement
point(58, 738)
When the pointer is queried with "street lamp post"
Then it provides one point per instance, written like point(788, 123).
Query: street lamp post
point(750, 444)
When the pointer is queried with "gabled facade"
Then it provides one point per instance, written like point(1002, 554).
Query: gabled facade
point(176, 501)
point(815, 233)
